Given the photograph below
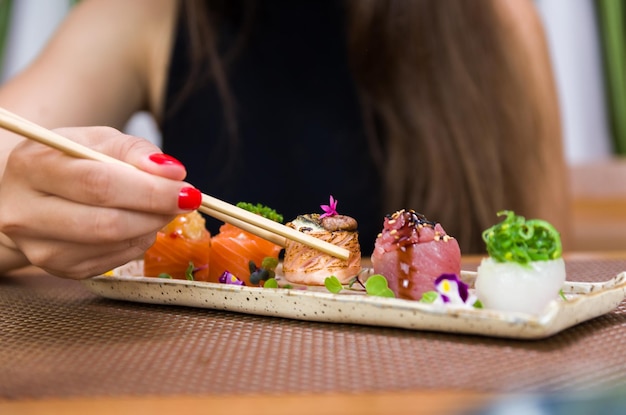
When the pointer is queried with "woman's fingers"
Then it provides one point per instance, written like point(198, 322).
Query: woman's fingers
point(132, 150)
point(47, 217)
point(77, 218)
point(97, 183)
point(101, 184)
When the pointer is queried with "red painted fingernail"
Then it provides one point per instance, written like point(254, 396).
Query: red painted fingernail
point(189, 198)
point(164, 159)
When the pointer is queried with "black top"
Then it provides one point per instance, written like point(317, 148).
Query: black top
point(299, 121)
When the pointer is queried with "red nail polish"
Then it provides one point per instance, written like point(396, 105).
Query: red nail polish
point(189, 198)
point(164, 159)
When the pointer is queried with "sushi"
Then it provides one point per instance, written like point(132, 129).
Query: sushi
point(233, 249)
point(525, 270)
point(181, 250)
point(412, 252)
point(305, 265)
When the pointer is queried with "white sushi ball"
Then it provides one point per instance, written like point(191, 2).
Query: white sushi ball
point(509, 286)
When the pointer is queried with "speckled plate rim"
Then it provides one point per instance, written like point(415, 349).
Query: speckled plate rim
point(584, 301)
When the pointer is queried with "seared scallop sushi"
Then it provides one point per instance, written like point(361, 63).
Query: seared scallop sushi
point(304, 265)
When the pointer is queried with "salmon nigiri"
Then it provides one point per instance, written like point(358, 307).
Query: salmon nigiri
point(232, 249)
point(181, 250)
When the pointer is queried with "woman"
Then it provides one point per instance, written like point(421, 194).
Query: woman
point(445, 107)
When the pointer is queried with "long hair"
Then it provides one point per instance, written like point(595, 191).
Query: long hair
point(453, 126)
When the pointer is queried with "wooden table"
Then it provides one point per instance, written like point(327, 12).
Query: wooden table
point(460, 396)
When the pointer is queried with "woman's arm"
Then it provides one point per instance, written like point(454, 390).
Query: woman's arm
point(75, 217)
point(107, 61)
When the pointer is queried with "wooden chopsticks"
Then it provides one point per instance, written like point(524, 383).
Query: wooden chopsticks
point(248, 221)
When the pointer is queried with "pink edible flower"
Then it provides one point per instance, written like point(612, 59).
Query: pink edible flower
point(330, 209)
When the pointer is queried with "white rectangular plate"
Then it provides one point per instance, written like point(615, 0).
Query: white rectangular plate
point(584, 301)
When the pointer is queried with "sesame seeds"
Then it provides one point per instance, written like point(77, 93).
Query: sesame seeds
point(407, 227)
point(439, 237)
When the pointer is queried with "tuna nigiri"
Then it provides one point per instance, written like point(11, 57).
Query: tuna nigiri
point(232, 248)
point(412, 252)
point(181, 249)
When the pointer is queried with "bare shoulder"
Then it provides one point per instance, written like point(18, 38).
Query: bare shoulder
point(105, 62)
point(137, 33)
point(134, 21)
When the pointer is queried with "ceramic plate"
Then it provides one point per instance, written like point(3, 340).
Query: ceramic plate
point(584, 301)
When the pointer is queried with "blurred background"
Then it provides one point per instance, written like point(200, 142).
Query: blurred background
point(586, 43)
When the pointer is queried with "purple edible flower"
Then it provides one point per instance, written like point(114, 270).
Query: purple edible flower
point(229, 278)
point(452, 290)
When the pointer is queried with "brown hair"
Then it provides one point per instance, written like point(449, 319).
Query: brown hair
point(443, 83)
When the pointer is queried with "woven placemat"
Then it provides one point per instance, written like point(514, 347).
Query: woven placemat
point(59, 340)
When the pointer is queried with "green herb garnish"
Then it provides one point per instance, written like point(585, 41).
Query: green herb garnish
point(266, 271)
point(273, 283)
point(270, 263)
point(270, 283)
point(516, 239)
point(262, 210)
point(333, 284)
point(376, 286)
point(164, 275)
point(189, 271)
point(429, 297)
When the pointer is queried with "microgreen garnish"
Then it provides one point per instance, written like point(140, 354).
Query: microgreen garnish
point(269, 263)
point(376, 285)
point(450, 289)
point(189, 271)
point(264, 272)
point(273, 283)
point(164, 275)
point(333, 284)
point(330, 209)
point(262, 210)
point(516, 239)
point(355, 280)
point(429, 297)
point(562, 295)
point(270, 283)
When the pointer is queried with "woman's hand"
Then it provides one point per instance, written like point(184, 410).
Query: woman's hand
point(77, 218)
